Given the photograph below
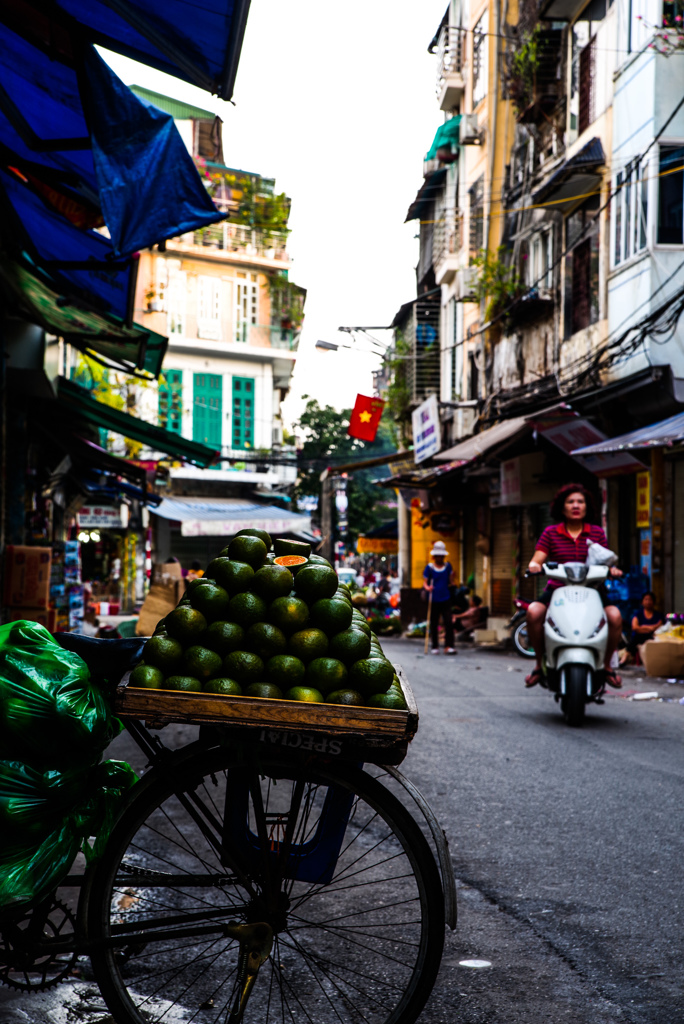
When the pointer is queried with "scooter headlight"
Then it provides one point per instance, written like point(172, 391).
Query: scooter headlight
point(598, 629)
point(553, 626)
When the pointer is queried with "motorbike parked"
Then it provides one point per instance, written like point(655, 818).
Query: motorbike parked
point(575, 638)
point(518, 627)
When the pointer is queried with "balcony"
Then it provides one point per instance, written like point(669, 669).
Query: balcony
point(417, 325)
point(450, 58)
point(235, 242)
point(447, 244)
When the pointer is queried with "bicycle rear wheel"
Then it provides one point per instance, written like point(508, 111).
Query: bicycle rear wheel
point(327, 856)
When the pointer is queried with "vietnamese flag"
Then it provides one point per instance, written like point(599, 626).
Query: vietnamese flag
point(365, 418)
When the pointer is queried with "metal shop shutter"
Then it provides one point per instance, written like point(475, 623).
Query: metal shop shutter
point(504, 545)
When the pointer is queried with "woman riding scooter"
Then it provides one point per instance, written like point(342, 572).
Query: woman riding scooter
point(567, 542)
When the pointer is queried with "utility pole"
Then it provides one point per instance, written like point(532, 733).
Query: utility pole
point(327, 549)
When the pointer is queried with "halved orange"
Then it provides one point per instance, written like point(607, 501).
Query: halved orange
point(290, 560)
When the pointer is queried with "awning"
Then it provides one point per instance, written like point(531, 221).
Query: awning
point(561, 10)
point(105, 338)
point(426, 195)
point(479, 444)
point(224, 517)
point(77, 401)
point(574, 180)
point(198, 42)
point(447, 137)
point(657, 435)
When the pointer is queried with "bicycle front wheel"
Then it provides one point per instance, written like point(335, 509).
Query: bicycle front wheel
point(326, 856)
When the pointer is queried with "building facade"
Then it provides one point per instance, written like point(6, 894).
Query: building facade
point(552, 239)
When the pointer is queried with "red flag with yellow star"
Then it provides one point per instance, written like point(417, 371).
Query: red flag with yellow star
point(365, 418)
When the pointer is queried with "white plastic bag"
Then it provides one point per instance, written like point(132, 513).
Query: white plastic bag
point(598, 555)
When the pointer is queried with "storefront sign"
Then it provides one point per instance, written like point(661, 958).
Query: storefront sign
point(105, 516)
point(579, 433)
point(426, 432)
point(643, 500)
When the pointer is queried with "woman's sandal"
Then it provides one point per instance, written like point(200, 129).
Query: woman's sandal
point(534, 677)
point(613, 679)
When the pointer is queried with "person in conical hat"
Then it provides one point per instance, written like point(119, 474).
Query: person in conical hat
point(438, 577)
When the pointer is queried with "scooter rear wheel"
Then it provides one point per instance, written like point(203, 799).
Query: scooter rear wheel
point(521, 641)
point(573, 702)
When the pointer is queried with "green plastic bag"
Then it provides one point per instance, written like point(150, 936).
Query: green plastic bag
point(50, 712)
point(47, 817)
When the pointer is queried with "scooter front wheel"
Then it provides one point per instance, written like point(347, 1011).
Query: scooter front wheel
point(573, 701)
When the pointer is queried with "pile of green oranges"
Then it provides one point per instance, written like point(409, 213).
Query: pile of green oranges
point(269, 619)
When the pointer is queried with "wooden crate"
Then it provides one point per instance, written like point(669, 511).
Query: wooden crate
point(371, 734)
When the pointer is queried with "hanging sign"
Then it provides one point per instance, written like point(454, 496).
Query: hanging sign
point(643, 500)
point(91, 516)
point(426, 432)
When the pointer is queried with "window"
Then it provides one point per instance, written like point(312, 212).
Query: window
point(476, 194)
point(629, 212)
point(246, 305)
point(480, 63)
point(671, 196)
point(209, 308)
point(207, 408)
point(171, 401)
point(538, 272)
point(172, 283)
point(581, 299)
point(243, 412)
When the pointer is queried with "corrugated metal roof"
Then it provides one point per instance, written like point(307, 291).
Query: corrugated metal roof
point(480, 444)
point(176, 108)
point(656, 435)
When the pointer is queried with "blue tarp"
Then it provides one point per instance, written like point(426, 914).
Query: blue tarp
point(196, 40)
point(108, 151)
point(148, 185)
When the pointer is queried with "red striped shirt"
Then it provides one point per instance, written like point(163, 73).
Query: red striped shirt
point(561, 547)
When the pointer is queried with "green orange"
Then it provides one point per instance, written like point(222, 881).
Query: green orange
point(326, 674)
point(308, 694)
point(288, 613)
point(272, 581)
point(146, 677)
point(266, 640)
point(232, 575)
point(264, 690)
point(244, 666)
point(308, 644)
point(251, 550)
point(247, 608)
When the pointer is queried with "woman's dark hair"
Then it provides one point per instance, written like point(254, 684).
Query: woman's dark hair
point(649, 593)
point(558, 503)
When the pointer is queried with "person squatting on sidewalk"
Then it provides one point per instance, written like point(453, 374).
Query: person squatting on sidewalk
point(438, 577)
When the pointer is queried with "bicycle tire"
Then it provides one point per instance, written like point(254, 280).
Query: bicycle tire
point(374, 959)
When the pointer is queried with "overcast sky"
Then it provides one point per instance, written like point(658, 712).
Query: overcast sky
point(337, 103)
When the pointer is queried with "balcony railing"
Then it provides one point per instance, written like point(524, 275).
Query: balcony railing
point(450, 55)
point(241, 239)
point(448, 237)
point(266, 336)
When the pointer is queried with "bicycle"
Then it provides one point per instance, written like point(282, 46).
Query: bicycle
point(247, 880)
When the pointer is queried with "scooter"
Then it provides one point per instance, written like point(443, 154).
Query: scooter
point(518, 627)
point(575, 638)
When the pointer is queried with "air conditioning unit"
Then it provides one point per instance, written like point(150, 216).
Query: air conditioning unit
point(466, 284)
point(468, 133)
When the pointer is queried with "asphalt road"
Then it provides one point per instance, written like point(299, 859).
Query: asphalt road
point(567, 846)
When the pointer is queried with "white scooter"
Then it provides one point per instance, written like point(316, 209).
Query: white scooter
point(575, 637)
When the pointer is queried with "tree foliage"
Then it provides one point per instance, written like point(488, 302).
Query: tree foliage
point(116, 390)
point(326, 444)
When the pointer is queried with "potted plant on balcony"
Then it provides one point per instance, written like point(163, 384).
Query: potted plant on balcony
point(153, 303)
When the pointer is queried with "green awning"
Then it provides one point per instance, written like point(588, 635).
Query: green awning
point(77, 400)
point(133, 350)
point(446, 137)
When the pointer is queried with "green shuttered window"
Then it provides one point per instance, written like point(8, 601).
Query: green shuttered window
point(171, 401)
point(207, 408)
point(243, 412)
